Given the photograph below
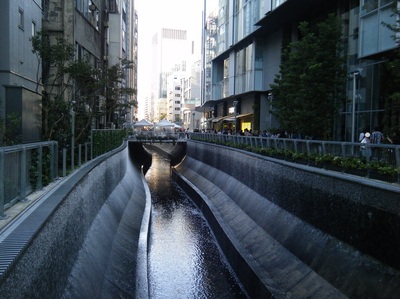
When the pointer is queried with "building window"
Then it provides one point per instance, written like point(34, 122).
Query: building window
point(33, 28)
point(375, 38)
point(21, 18)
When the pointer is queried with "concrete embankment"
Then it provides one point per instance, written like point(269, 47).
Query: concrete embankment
point(90, 239)
point(293, 231)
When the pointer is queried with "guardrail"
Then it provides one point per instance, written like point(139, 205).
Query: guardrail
point(149, 137)
point(28, 167)
point(80, 155)
point(25, 168)
point(379, 161)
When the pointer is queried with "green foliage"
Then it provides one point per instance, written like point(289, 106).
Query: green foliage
point(113, 78)
point(353, 163)
point(34, 169)
point(11, 130)
point(309, 88)
point(350, 164)
point(107, 140)
point(75, 84)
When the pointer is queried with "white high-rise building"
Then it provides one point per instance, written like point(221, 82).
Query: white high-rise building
point(170, 48)
point(174, 97)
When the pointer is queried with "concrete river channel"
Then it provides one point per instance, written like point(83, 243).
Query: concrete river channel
point(185, 260)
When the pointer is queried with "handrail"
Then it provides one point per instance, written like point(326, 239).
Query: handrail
point(345, 156)
point(21, 163)
point(25, 168)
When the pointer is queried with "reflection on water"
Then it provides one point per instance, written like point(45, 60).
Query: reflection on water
point(184, 259)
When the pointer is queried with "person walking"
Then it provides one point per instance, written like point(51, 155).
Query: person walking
point(362, 134)
point(377, 137)
point(365, 151)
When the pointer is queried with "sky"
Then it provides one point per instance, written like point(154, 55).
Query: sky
point(156, 14)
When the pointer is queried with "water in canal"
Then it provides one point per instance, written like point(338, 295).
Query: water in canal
point(184, 258)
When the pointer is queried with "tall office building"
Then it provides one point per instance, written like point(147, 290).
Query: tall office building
point(244, 50)
point(20, 82)
point(169, 49)
point(122, 45)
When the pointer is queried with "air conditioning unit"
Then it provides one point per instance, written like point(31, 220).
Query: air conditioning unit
point(105, 24)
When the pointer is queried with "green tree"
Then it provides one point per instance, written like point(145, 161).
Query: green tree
point(117, 93)
point(10, 130)
point(309, 89)
point(75, 84)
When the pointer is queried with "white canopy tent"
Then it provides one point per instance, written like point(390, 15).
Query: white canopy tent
point(143, 123)
point(143, 127)
point(176, 126)
point(164, 123)
point(164, 127)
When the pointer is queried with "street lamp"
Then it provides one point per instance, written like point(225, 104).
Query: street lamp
point(235, 105)
point(72, 114)
point(354, 75)
point(193, 120)
point(211, 116)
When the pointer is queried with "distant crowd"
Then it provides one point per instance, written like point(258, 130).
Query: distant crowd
point(376, 136)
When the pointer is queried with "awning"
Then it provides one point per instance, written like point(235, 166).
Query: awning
point(244, 115)
point(230, 118)
point(217, 119)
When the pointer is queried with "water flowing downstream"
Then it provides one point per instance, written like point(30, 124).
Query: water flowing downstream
point(184, 258)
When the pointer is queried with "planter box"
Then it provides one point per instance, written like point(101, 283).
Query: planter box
point(333, 167)
point(383, 177)
point(358, 172)
point(301, 161)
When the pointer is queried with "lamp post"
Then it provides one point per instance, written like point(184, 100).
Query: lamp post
point(235, 106)
point(211, 116)
point(72, 114)
point(193, 114)
point(355, 74)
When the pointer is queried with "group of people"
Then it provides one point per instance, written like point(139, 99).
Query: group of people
point(377, 137)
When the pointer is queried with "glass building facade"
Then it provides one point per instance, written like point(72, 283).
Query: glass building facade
point(244, 45)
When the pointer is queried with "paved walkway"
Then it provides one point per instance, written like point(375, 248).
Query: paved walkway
point(19, 208)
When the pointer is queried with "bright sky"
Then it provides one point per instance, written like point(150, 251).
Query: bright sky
point(156, 14)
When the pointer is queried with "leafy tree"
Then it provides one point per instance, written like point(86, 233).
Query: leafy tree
point(10, 130)
point(309, 89)
point(76, 84)
point(116, 92)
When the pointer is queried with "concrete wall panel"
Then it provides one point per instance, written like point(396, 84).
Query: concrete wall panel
point(297, 227)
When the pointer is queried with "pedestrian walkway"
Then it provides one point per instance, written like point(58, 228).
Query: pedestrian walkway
point(17, 210)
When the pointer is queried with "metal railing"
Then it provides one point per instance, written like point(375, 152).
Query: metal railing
point(28, 167)
point(150, 136)
point(81, 155)
point(25, 168)
point(369, 160)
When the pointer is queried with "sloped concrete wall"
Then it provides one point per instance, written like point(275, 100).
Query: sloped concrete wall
point(297, 231)
point(91, 243)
